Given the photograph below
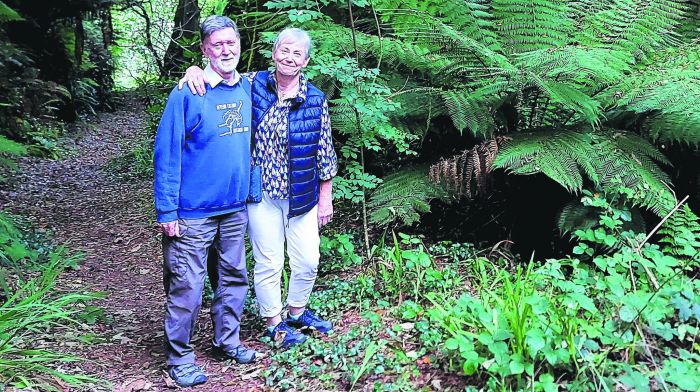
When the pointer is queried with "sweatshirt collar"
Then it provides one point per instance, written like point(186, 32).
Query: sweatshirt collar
point(214, 78)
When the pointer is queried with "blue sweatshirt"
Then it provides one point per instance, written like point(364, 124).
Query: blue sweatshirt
point(202, 153)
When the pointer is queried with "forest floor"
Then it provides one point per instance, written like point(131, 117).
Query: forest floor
point(111, 221)
point(83, 202)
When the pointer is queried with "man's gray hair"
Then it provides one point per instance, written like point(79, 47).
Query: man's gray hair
point(215, 23)
point(294, 34)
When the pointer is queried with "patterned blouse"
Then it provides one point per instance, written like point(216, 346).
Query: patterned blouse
point(271, 149)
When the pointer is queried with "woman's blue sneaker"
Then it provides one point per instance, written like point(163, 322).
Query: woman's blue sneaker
point(187, 375)
point(283, 335)
point(309, 320)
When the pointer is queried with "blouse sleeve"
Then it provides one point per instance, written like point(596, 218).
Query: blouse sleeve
point(326, 159)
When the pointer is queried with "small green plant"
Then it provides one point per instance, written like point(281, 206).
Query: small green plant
point(339, 252)
point(407, 269)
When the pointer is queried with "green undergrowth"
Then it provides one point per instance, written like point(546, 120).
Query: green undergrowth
point(620, 313)
point(33, 311)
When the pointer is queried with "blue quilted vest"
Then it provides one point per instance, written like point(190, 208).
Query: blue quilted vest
point(304, 131)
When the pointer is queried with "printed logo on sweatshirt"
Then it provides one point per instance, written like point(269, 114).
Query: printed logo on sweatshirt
point(232, 118)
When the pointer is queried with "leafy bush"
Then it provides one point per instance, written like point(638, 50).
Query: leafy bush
point(576, 321)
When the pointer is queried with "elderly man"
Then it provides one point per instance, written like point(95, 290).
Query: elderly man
point(294, 148)
point(202, 173)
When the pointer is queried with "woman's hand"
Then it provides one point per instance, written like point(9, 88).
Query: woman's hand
point(325, 202)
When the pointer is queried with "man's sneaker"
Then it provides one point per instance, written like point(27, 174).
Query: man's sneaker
point(187, 375)
point(283, 335)
point(240, 354)
point(309, 320)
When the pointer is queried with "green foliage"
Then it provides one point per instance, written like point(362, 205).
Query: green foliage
point(53, 67)
point(525, 26)
point(556, 67)
point(407, 270)
point(7, 14)
point(31, 306)
point(403, 196)
point(570, 318)
point(575, 216)
point(339, 252)
point(680, 234)
point(609, 159)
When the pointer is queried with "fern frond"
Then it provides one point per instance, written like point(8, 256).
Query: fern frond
point(403, 196)
point(526, 25)
point(472, 18)
point(666, 94)
point(466, 174)
point(609, 159)
point(675, 128)
point(680, 234)
point(592, 67)
point(637, 27)
point(468, 112)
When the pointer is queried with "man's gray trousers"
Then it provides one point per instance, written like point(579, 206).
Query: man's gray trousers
point(184, 270)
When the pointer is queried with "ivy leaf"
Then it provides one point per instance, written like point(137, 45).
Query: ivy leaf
point(635, 380)
point(546, 383)
point(627, 314)
point(583, 301)
point(516, 365)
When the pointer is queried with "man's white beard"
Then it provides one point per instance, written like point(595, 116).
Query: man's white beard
point(227, 67)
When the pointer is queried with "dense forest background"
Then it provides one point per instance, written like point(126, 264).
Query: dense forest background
point(561, 136)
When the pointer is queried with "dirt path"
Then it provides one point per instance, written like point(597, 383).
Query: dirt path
point(111, 221)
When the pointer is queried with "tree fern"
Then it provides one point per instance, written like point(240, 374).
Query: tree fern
point(403, 196)
point(609, 159)
point(638, 27)
point(526, 25)
point(571, 71)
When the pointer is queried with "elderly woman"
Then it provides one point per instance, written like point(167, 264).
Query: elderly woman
point(293, 147)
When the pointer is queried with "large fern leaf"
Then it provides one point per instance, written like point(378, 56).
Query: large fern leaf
point(403, 196)
point(526, 25)
point(635, 26)
point(608, 158)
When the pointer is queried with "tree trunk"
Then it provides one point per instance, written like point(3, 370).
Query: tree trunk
point(79, 40)
point(107, 27)
point(186, 27)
